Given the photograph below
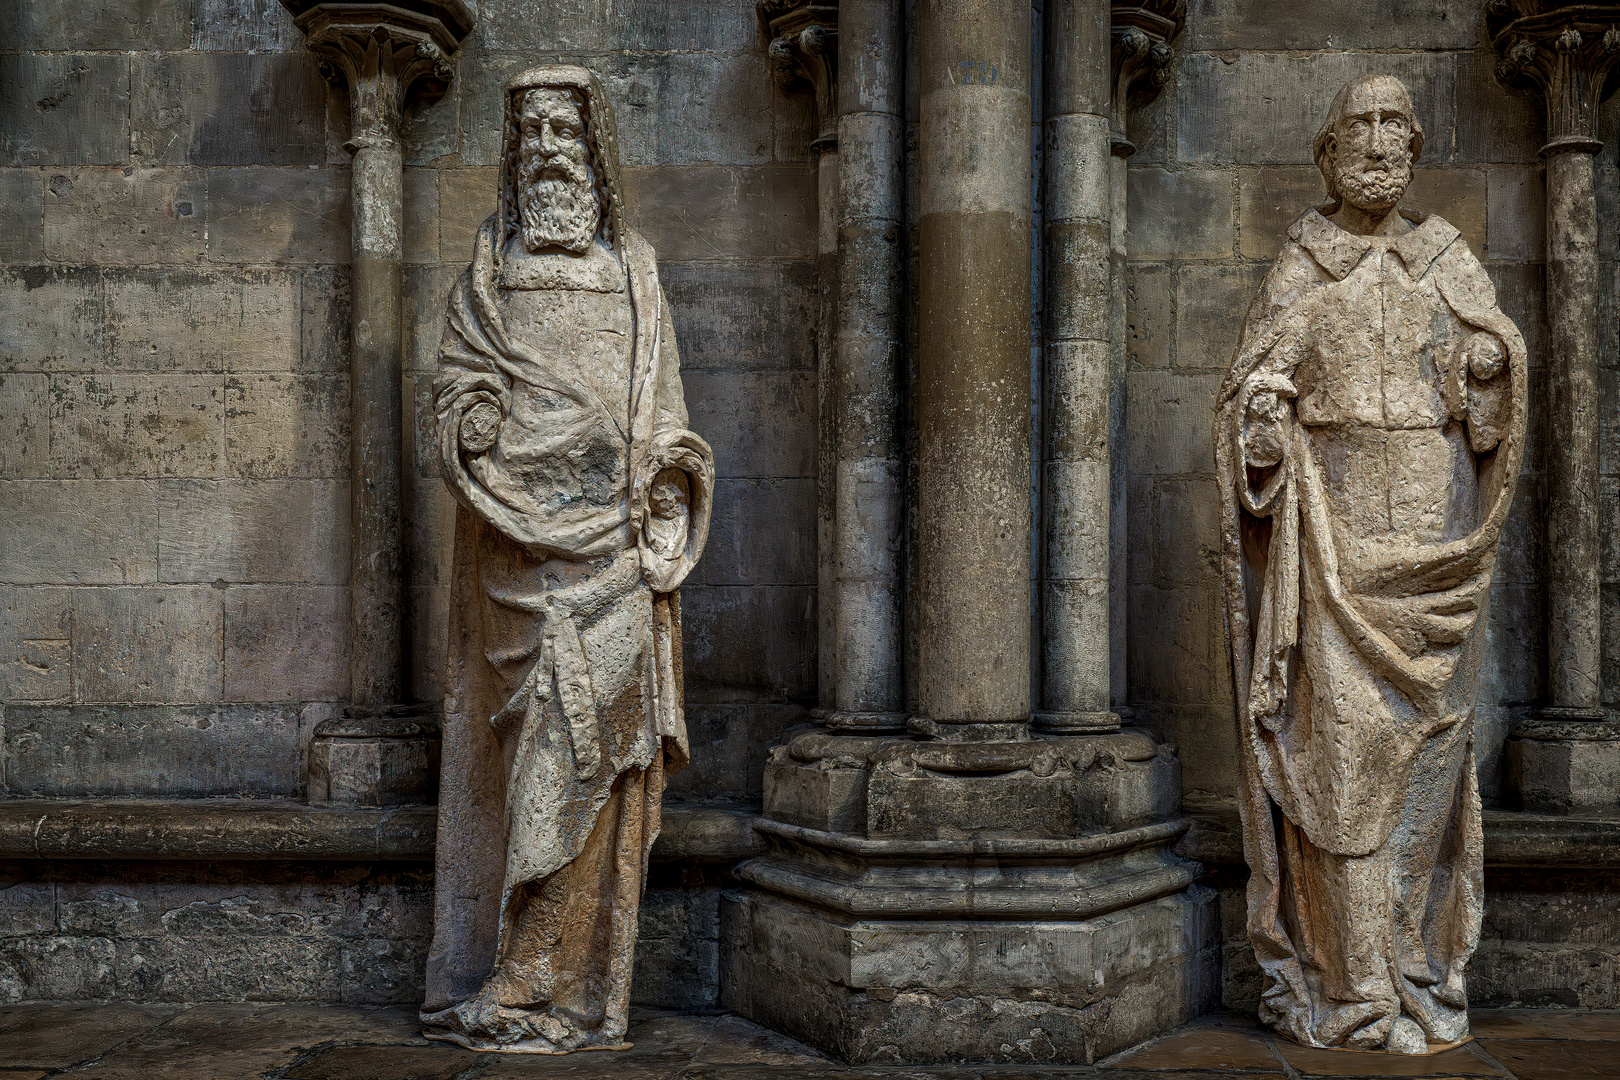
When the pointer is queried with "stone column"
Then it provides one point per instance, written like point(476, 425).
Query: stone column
point(380, 751)
point(804, 56)
point(865, 398)
point(1140, 66)
point(973, 414)
point(933, 891)
point(1566, 52)
point(1075, 661)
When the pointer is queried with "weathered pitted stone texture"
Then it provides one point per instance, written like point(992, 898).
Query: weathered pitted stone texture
point(1564, 767)
point(926, 991)
point(1367, 439)
point(584, 503)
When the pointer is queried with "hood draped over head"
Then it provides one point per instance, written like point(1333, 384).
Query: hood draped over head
point(600, 137)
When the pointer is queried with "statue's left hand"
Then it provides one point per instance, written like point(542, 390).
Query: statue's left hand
point(480, 427)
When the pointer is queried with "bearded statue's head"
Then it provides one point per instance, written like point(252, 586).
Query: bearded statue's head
point(1369, 143)
point(557, 200)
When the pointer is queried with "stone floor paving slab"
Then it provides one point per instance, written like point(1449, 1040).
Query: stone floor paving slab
point(1203, 1046)
point(1557, 1059)
point(43, 1036)
point(1312, 1061)
point(736, 1041)
point(433, 1061)
point(586, 1066)
point(1591, 1024)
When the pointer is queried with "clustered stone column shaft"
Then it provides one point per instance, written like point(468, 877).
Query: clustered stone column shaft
point(973, 414)
point(870, 498)
point(1075, 662)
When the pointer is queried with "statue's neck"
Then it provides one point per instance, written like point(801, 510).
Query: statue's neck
point(1353, 219)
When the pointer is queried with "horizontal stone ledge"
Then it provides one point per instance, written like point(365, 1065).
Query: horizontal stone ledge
point(1512, 838)
point(258, 830)
point(998, 847)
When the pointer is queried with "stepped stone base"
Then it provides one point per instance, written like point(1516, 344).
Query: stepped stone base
point(940, 991)
point(932, 903)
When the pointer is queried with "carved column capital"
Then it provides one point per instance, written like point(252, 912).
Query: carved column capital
point(804, 56)
point(384, 52)
point(1566, 51)
point(1141, 34)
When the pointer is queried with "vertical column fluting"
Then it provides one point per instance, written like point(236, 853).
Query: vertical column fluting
point(1075, 660)
point(870, 508)
point(1574, 616)
point(973, 369)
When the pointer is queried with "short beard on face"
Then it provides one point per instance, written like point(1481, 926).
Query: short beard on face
point(557, 204)
point(1372, 189)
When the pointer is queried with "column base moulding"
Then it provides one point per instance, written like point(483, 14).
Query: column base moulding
point(1074, 723)
point(865, 722)
point(941, 902)
point(1566, 762)
point(375, 757)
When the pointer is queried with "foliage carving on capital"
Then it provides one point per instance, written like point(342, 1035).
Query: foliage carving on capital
point(1141, 56)
point(804, 55)
point(1566, 52)
point(385, 53)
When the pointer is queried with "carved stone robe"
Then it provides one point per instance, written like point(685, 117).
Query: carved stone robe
point(564, 706)
point(1358, 553)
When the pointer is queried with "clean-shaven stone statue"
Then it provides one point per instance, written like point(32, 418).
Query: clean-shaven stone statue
point(1367, 439)
point(584, 504)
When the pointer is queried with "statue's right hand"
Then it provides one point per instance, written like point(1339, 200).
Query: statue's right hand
point(479, 427)
point(1271, 383)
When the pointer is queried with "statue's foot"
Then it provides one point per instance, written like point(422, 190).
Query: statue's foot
point(481, 1023)
point(1406, 1037)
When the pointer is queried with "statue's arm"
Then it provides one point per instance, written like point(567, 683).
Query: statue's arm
point(679, 477)
point(472, 395)
point(1260, 410)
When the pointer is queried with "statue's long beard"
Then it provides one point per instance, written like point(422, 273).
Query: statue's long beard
point(557, 211)
point(1377, 189)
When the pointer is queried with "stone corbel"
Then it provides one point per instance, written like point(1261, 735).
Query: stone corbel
point(804, 56)
point(1141, 56)
point(1565, 53)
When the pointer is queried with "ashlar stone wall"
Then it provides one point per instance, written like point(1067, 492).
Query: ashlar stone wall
point(1223, 167)
point(174, 229)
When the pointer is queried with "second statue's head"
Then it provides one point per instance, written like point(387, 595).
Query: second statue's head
point(556, 188)
point(1368, 144)
point(560, 168)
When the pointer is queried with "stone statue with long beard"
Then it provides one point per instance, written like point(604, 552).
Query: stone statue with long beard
point(584, 502)
point(1367, 441)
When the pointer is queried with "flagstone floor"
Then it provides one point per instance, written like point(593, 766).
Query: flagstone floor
point(320, 1042)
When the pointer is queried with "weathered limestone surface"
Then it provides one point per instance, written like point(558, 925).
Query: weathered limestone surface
point(1367, 441)
point(940, 902)
point(584, 503)
point(175, 228)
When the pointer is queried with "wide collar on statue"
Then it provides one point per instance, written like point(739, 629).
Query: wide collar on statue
point(1339, 252)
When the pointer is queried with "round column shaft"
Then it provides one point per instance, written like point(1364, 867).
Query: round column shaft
point(376, 586)
point(1075, 601)
point(973, 414)
point(1574, 617)
point(866, 394)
